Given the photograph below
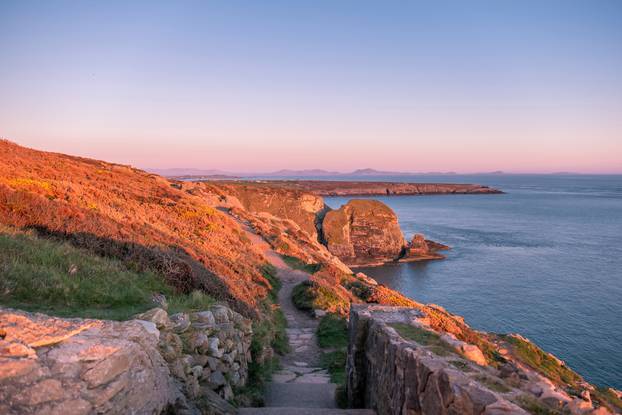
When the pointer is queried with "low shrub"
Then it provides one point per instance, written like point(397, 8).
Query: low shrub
point(309, 295)
point(297, 263)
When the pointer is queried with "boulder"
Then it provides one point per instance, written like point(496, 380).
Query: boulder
point(363, 232)
point(80, 366)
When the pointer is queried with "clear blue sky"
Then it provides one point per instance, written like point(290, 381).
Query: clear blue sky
point(404, 85)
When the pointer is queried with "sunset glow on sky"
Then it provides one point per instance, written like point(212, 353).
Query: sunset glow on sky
point(522, 86)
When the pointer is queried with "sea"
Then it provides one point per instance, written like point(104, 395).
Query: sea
point(543, 260)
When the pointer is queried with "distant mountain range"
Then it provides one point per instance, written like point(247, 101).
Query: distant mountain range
point(183, 172)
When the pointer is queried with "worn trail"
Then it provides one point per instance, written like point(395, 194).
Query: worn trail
point(301, 386)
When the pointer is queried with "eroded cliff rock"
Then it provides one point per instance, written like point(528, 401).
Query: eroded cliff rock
point(367, 232)
point(363, 231)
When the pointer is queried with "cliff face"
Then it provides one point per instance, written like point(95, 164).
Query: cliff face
point(367, 232)
point(373, 188)
point(305, 209)
point(363, 231)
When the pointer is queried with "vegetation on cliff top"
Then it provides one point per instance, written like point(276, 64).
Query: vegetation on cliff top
point(541, 361)
point(310, 295)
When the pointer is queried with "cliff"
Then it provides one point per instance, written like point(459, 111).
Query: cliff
point(366, 232)
point(373, 188)
point(363, 231)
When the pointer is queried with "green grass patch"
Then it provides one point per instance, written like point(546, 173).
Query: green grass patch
point(297, 263)
point(541, 361)
point(269, 273)
point(309, 295)
point(427, 338)
point(268, 332)
point(358, 288)
point(59, 279)
point(607, 397)
point(335, 363)
point(493, 384)
point(535, 407)
point(332, 332)
point(461, 365)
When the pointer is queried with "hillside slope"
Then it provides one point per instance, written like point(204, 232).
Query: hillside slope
point(125, 213)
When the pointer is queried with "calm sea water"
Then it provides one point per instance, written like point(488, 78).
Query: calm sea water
point(543, 260)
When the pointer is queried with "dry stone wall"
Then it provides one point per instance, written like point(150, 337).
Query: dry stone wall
point(395, 376)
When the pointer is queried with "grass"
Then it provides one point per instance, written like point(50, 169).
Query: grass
point(59, 279)
point(332, 332)
point(427, 338)
point(461, 365)
point(298, 264)
point(309, 295)
point(267, 332)
point(535, 407)
point(541, 361)
point(493, 384)
point(607, 397)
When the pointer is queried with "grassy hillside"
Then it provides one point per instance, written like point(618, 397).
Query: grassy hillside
point(142, 219)
point(59, 279)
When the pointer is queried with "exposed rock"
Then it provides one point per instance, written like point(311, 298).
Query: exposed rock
point(363, 231)
point(305, 209)
point(82, 366)
point(419, 249)
point(157, 316)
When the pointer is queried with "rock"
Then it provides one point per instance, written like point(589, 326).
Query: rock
point(180, 322)
point(160, 301)
point(83, 366)
point(363, 231)
point(206, 317)
point(157, 316)
point(217, 379)
point(419, 249)
point(221, 313)
point(318, 313)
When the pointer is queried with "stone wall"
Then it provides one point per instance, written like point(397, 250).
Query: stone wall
point(182, 364)
point(208, 352)
point(393, 375)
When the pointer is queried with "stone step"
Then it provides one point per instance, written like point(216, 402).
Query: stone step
point(300, 395)
point(303, 411)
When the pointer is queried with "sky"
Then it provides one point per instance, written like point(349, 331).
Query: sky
point(251, 86)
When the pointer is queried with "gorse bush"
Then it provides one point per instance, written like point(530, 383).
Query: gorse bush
point(310, 295)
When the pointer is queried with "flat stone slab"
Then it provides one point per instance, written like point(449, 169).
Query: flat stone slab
point(303, 411)
point(301, 395)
